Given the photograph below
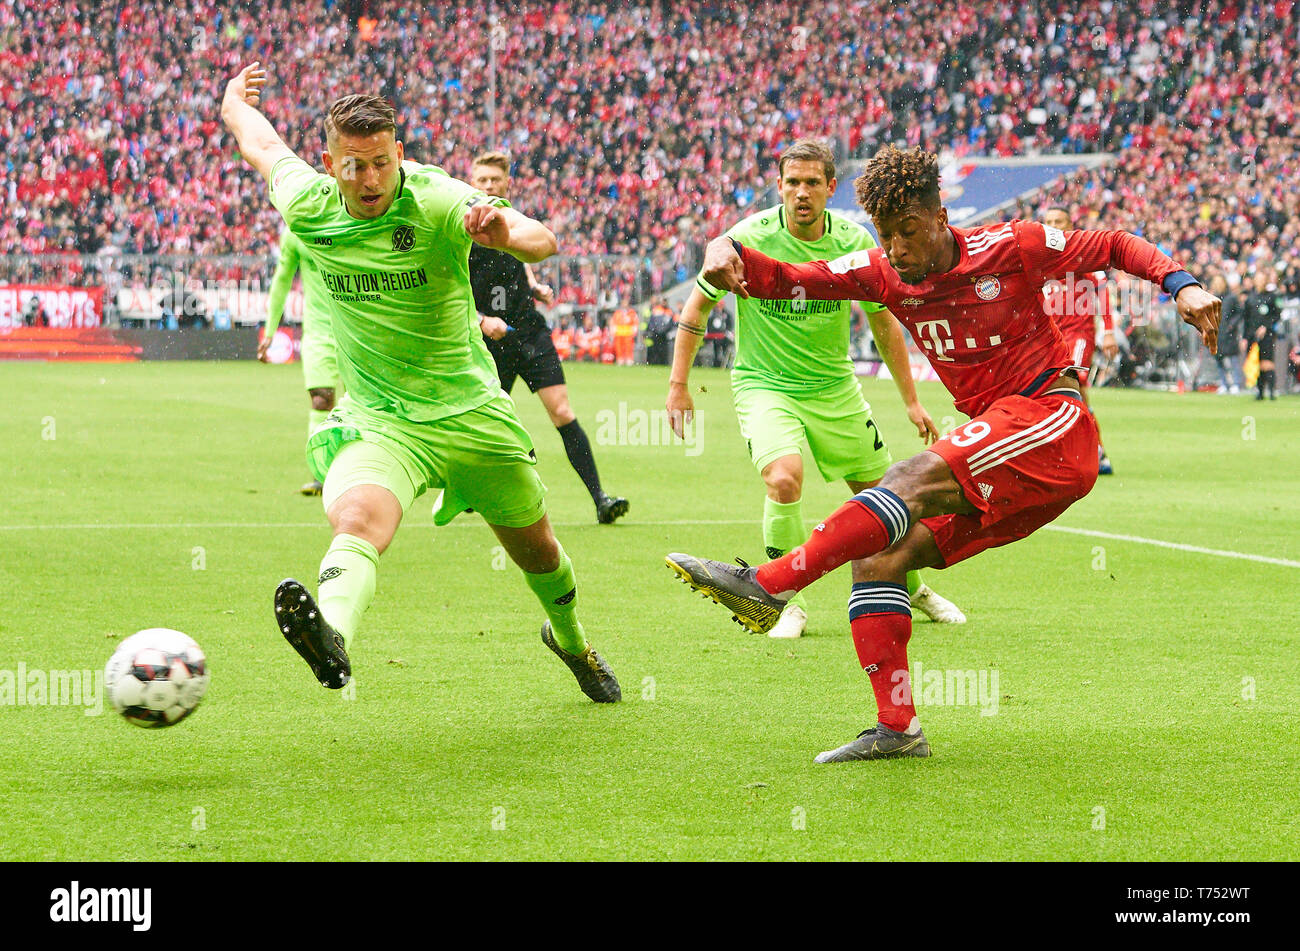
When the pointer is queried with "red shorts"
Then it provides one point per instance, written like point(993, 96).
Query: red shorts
point(1082, 348)
point(1022, 462)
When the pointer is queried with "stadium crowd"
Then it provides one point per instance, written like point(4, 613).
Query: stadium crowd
point(638, 131)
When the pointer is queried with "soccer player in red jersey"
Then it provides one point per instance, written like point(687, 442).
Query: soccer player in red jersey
point(1076, 303)
point(973, 299)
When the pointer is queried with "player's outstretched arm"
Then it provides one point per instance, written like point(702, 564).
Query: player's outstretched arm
point(1059, 254)
point(745, 272)
point(258, 141)
point(691, 327)
point(888, 334)
point(505, 229)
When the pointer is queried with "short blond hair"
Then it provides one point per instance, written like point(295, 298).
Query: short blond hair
point(495, 160)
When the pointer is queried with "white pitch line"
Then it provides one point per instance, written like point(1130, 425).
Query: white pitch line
point(198, 526)
point(1177, 546)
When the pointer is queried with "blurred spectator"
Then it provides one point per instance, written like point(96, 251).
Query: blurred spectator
point(562, 337)
point(625, 325)
point(1229, 353)
point(659, 333)
point(588, 340)
point(34, 313)
point(648, 127)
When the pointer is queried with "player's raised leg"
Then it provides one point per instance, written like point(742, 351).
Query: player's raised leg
point(549, 573)
point(920, 595)
point(870, 522)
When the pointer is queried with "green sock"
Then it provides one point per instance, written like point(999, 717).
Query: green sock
point(558, 593)
point(314, 418)
point(783, 531)
point(347, 583)
point(913, 582)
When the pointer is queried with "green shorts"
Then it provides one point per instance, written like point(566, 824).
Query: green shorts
point(482, 460)
point(320, 362)
point(837, 429)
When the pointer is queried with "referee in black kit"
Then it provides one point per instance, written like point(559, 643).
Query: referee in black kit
point(520, 341)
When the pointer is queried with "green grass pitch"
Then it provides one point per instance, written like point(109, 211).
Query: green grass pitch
point(1146, 705)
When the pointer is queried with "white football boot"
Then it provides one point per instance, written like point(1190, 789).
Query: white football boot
point(792, 622)
point(936, 608)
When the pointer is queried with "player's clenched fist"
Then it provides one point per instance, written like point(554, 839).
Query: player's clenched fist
point(1201, 309)
point(488, 227)
point(723, 267)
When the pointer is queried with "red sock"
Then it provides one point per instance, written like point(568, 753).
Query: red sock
point(881, 642)
point(855, 530)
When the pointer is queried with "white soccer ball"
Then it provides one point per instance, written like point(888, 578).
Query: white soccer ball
point(156, 677)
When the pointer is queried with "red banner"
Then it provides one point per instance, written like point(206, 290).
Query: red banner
point(60, 306)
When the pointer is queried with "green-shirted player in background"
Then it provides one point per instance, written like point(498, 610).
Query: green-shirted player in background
point(793, 380)
point(320, 367)
point(424, 407)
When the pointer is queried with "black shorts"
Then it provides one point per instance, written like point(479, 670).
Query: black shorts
point(529, 355)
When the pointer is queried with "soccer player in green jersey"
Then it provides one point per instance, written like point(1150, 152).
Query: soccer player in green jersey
point(424, 407)
point(320, 368)
point(793, 380)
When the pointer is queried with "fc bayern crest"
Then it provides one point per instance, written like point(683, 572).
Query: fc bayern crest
point(403, 238)
point(988, 287)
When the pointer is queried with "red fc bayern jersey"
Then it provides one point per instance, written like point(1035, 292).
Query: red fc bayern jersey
point(1076, 301)
point(981, 324)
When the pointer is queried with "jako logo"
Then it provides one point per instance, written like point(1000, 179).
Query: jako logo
point(103, 904)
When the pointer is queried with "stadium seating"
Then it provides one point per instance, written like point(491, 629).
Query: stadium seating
point(641, 130)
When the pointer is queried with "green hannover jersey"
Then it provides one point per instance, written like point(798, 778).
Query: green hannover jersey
point(294, 258)
point(798, 347)
point(397, 289)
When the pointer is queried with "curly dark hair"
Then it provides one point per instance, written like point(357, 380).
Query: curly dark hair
point(894, 179)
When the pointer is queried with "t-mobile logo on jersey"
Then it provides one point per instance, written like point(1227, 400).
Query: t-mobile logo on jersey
point(928, 333)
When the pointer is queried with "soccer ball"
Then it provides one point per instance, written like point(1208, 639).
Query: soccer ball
point(156, 677)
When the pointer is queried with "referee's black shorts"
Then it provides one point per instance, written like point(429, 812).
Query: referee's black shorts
point(529, 355)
